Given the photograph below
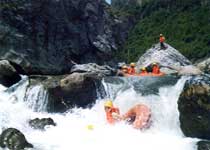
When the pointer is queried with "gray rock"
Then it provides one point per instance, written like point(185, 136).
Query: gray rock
point(8, 74)
point(94, 68)
point(169, 59)
point(188, 70)
point(194, 107)
point(44, 37)
point(165, 57)
point(41, 123)
point(13, 139)
point(204, 65)
point(67, 91)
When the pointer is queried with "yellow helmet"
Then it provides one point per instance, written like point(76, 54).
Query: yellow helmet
point(161, 34)
point(132, 64)
point(143, 68)
point(154, 63)
point(108, 103)
point(124, 67)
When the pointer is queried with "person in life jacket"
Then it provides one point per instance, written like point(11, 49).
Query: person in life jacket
point(112, 113)
point(124, 70)
point(139, 116)
point(162, 40)
point(155, 68)
point(121, 70)
point(143, 71)
point(131, 69)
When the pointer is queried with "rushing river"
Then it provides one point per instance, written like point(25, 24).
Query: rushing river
point(18, 105)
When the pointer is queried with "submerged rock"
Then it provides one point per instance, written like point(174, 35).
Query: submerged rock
point(203, 145)
point(194, 107)
point(13, 139)
point(41, 123)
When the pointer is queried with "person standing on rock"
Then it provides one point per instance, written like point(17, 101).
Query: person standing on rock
point(162, 40)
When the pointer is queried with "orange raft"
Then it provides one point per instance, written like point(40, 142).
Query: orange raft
point(139, 115)
point(144, 75)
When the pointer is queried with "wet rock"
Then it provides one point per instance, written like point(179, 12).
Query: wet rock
point(94, 68)
point(41, 123)
point(13, 139)
point(187, 70)
point(8, 74)
point(168, 58)
point(67, 91)
point(78, 89)
point(203, 145)
point(204, 65)
point(194, 107)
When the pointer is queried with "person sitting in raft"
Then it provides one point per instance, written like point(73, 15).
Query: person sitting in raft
point(143, 71)
point(124, 70)
point(155, 68)
point(111, 112)
point(139, 115)
point(131, 69)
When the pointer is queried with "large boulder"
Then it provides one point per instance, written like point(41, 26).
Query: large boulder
point(194, 107)
point(44, 37)
point(67, 91)
point(13, 139)
point(8, 74)
point(169, 59)
point(166, 57)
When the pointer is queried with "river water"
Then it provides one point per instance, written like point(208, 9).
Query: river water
point(18, 105)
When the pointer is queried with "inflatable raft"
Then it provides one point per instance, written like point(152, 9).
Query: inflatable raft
point(144, 75)
point(139, 116)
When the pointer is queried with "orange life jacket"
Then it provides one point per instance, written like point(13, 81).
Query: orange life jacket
point(131, 70)
point(155, 70)
point(143, 73)
point(109, 116)
point(162, 39)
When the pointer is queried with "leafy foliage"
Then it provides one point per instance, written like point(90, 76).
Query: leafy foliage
point(187, 28)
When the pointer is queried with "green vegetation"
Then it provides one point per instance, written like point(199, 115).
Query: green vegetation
point(186, 28)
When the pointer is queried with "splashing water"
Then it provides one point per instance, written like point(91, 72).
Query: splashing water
point(72, 130)
point(36, 98)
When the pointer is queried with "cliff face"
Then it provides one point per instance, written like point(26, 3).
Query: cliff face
point(45, 36)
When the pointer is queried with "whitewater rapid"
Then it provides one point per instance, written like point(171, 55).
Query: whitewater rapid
point(71, 131)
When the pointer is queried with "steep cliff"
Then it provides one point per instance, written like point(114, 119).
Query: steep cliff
point(47, 36)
